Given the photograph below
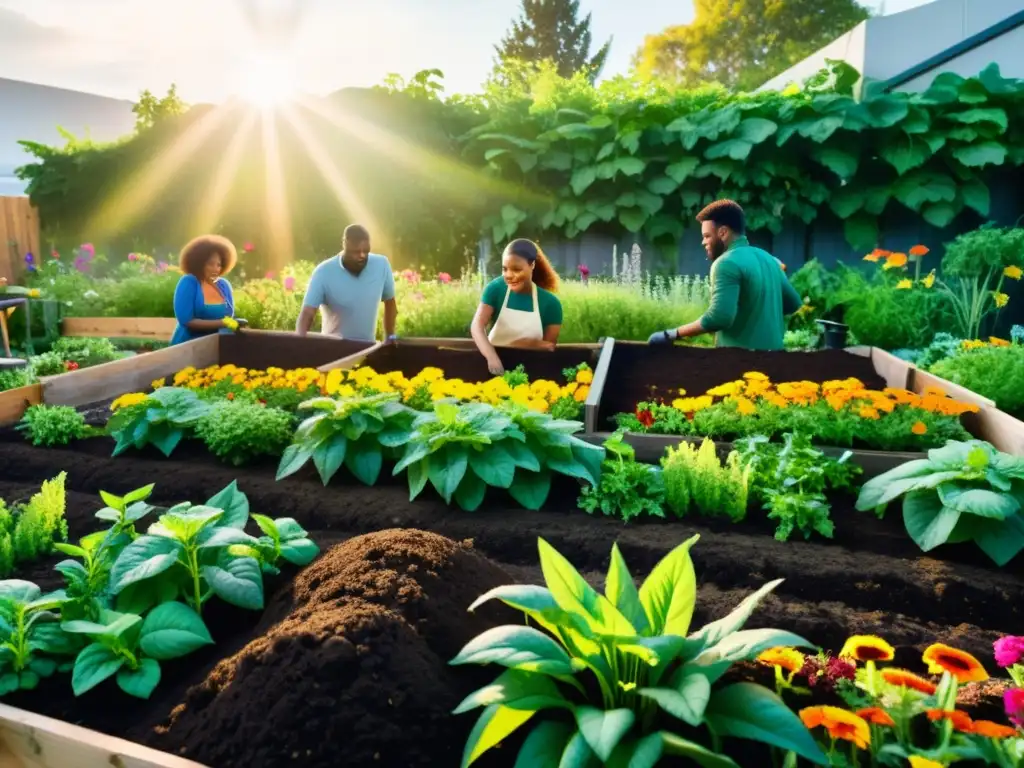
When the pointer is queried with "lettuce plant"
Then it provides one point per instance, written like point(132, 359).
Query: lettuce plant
point(31, 640)
point(964, 491)
point(125, 645)
point(627, 488)
point(163, 419)
point(644, 667)
point(353, 431)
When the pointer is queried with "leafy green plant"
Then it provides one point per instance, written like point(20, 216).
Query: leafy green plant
point(131, 648)
point(695, 479)
point(239, 432)
point(86, 352)
point(618, 664)
point(124, 511)
point(964, 491)
point(282, 539)
point(992, 372)
point(350, 431)
point(47, 364)
point(13, 378)
point(87, 580)
point(186, 553)
point(31, 640)
point(627, 488)
point(163, 419)
point(28, 531)
point(790, 479)
point(53, 425)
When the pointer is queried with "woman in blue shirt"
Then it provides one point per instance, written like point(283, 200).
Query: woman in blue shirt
point(203, 302)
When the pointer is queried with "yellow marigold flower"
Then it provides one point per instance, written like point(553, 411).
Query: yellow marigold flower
point(585, 376)
point(895, 261)
point(745, 407)
point(916, 761)
point(867, 648)
point(901, 678)
point(788, 659)
point(876, 255)
point(755, 376)
point(919, 428)
point(839, 723)
point(130, 399)
point(928, 280)
point(1013, 272)
point(904, 284)
point(581, 394)
point(157, 383)
point(963, 666)
point(867, 412)
point(1000, 299)
point(726, 390)
point(997, 342)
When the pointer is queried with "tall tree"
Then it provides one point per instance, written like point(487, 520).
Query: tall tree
point(552, 30)
point(150, 110)
point(742, 44)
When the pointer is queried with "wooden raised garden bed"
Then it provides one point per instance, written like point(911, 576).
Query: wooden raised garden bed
point(156, 328)
point(14, 402)
point(629, 371)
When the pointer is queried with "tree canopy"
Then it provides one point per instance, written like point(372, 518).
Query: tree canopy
point(742, 44)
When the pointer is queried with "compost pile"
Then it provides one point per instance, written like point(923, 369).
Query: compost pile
point(355, 670)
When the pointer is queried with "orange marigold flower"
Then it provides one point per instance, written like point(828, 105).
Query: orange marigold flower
point(961, 720)
point(904, 679)
point(919, 428)
point(895, 261)
point(1013, 272)
point(868, 412)
point(839, 723)
point(789, 659)
point(995, 341)
point(867, 648)
point(876, 716)
point(916, 761)
point(963, 666)
point(919, 250)
point(744, 407)
point(991, 730)
point(876, 255)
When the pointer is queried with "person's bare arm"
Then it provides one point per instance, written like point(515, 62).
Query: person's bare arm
point(204, 325)
point(390, 317)
point(483, 316)
point(305, 320)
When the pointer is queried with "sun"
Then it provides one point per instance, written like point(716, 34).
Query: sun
point(266, 80)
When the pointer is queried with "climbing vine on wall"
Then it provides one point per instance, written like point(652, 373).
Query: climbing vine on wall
point(650, 167)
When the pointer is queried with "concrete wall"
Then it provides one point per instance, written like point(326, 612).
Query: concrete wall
point(33, 112)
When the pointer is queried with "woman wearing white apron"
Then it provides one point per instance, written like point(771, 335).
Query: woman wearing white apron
point(521, 303)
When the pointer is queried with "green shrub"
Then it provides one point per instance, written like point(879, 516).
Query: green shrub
point(85, 352)
point(141, 296)
point(28, 531)
point(883, 316)
point(53, 425)
point(239, 432)
point(993, 372)
point(12, 378)
point(695, 479)
point(48, 364)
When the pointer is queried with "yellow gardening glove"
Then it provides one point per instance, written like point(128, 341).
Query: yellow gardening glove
point(230, 323)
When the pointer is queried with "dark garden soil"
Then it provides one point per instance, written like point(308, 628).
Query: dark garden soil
point(640, 372)
point(348, 663)
point(284, 350)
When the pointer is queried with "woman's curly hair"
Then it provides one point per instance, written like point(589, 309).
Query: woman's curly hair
point(198, 251)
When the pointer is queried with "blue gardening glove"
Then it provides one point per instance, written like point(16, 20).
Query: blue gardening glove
point(392, 339)
point(664, 337)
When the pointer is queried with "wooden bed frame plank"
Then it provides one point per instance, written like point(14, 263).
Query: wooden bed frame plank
point(158, 328)
point(14, 402)
point(28, 740)
point(593, 403)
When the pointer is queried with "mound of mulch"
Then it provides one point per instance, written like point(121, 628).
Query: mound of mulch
point(356, 671)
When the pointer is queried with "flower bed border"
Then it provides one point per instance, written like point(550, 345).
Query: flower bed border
point(28, 740)
point(14, 402)
point(991, 424)
point(157, 328)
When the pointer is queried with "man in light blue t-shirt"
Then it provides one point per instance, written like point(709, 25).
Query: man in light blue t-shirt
point(348, 289)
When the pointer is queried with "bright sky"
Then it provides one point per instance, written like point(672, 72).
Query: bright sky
point(119, 47)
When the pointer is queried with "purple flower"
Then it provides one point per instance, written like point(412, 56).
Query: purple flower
point(1009, 650)
point(1013, 700)
point(29, 258)
point(81, 264)
point(88, 249)
point(161, 266)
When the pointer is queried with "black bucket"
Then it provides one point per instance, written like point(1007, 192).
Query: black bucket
point(834, 334)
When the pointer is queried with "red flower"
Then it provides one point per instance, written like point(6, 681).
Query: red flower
point(248, 247)
point(230, 395)
point(70, 365)
point(645, 417)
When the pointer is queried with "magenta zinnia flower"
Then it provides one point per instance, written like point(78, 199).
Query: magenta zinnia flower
point(1009, 650)
point(1013, 700)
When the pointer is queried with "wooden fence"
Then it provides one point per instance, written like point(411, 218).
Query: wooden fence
point(19, 235)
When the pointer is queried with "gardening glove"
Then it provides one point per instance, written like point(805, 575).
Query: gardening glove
point(392, 339)
point(664, 337)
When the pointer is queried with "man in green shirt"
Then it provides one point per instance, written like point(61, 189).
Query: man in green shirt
point(750, 295)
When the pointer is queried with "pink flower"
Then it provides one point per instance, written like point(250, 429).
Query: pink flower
point(88, 248)
point(444, 277)
point(248, 247)
point(162, 266)
point(133, 257)
point(584, 271)
point(289, 283)
point(1013, 700)
point(1009, 650)
point(55, 254)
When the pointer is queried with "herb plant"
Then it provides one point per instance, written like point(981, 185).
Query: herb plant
point(282, 539)
point(31, 641)
point(85, 352)
point(132, 648)
point(992, 372)
point(636, 649)
point(961, 492)
point(28, 531)
point(350, 431)
point(53, 425)
point(790, 480)
point(627, 488)
point(87, 579)
point(238, 432)
point(163, 419)
point(695, 479)
point(124, 511)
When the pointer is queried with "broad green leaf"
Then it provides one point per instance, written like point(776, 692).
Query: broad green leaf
point(900, 487)
point(750, 711)
point(494, 464)
point(19, 590)
point(139, 494)
point(1001, 541)
point(713, 633)
point(747, 644)
point(978, 501)
point(140, 596)
point(575, 596)
point(494, 724)
point(875, 489)
point(537, 602)
point(681, 170)
point(736, 149)
point(582, 178)
point(629, 166)
point(686, 699)
point(861, 231)
point(662, 185)
point(239, 582)
point(293, 459)
point(976, 196)
point(94, 664)
point(669, 593)
point(840, 162)
point(145, 557)
point(847, 201)
point(940, 215)
point(980, 155)
point(992, 116)
point(470, 493)
point(142, 681)
point(702, 756)
point(544, 746)
point(516, 647)
point(518, 689)
point(621, 591)
point(633, 218)
point(223, 537)
point(530, 489)
point(904, 153)
point(756, 129)
point(235, 505)
point(299, 551)
point(928, 522)
point(417, 475)
point(641, 753)
point(603, 729)
point(364, 462)
point(578, 754)
point(172, 630)
point(329, 456)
